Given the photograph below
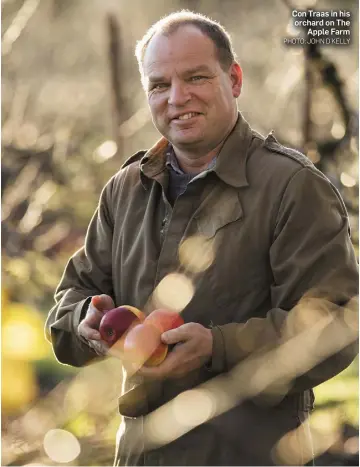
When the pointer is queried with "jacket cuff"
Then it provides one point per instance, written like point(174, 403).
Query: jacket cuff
point(218, 358)
point(78, 315)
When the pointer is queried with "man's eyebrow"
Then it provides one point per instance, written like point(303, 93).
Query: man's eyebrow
point(197, 69)
point(156, 79)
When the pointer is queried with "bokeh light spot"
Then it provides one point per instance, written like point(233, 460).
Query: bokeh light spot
point(351, 445)
point(174, 292)
point(296, 448)
point(61, 446)
point(22, 333)
point(197, 253)
point(191, 408)
point(105, 151)
point(338, 130)
point(26, 337)
point(347, 180)
point(160, 427)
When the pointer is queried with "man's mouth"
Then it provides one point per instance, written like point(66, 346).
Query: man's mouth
point(187, 116)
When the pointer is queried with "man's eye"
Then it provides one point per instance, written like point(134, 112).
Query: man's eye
point(197, 78)
point(158, 86)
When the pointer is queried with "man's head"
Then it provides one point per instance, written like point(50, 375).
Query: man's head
point(188, 70)
point(171, 23)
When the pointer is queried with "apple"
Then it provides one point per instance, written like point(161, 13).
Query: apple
point(143, 346)
point(164, 320)
point(136, 311)
point(116, 322)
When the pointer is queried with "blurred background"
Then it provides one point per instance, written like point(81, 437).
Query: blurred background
point(72, 110)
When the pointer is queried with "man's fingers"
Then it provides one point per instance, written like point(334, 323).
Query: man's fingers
point(88, 327)
point(90, 333)
point(162, 370)
point(180, 334)
point(102, 302)
point(90, 324)
point(99, 346)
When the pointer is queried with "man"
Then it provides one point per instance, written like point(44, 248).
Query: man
point(280, 231)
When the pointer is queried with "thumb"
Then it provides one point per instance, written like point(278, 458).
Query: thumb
point(102, 302)
point(172, 337)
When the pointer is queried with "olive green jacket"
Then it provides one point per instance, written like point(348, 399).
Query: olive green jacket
point(280, 231)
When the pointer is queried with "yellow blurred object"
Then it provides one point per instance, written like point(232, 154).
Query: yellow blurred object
point(22, 333)
point(4, 297)
point(82, 425)
point(111, 428)
point(18, 385)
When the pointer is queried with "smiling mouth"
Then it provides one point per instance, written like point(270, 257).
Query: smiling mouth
point(187, 116)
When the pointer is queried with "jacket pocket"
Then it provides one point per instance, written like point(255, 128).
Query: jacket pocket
point(223, 209)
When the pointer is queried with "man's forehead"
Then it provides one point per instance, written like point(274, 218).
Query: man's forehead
point(163, 56)
point(186, 43)
point(181, 33)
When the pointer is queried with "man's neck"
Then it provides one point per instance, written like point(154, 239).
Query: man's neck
point(194, 165)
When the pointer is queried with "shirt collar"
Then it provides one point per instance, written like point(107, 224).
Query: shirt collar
point(172, 163)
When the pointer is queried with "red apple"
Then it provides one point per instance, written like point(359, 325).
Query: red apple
point(143, 346)
point(136, 311)
point(117, 321)
point(164, 320)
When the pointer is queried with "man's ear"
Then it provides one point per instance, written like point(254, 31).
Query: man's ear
point(236, 79)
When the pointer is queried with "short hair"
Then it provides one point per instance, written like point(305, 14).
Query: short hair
point(171, 23)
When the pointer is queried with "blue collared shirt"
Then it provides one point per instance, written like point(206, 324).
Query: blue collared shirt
point(178, 179)
point(173, 163)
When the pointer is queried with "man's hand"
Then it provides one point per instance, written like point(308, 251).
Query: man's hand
point(192, 350)
point(89, 326)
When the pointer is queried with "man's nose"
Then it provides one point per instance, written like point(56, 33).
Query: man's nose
point(179, 94)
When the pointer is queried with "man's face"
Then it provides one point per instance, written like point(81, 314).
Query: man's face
point(191, 98)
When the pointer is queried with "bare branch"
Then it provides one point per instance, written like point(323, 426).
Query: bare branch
point(114, 52)
point(18, 24)
point(19, 190)
point(17, 112)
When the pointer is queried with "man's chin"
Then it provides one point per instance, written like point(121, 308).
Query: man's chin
point(185, 140)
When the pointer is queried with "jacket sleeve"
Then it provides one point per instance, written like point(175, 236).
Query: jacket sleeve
point(315, 276)
point(87, 273)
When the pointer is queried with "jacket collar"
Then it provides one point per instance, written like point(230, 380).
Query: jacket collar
point(230, 163)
